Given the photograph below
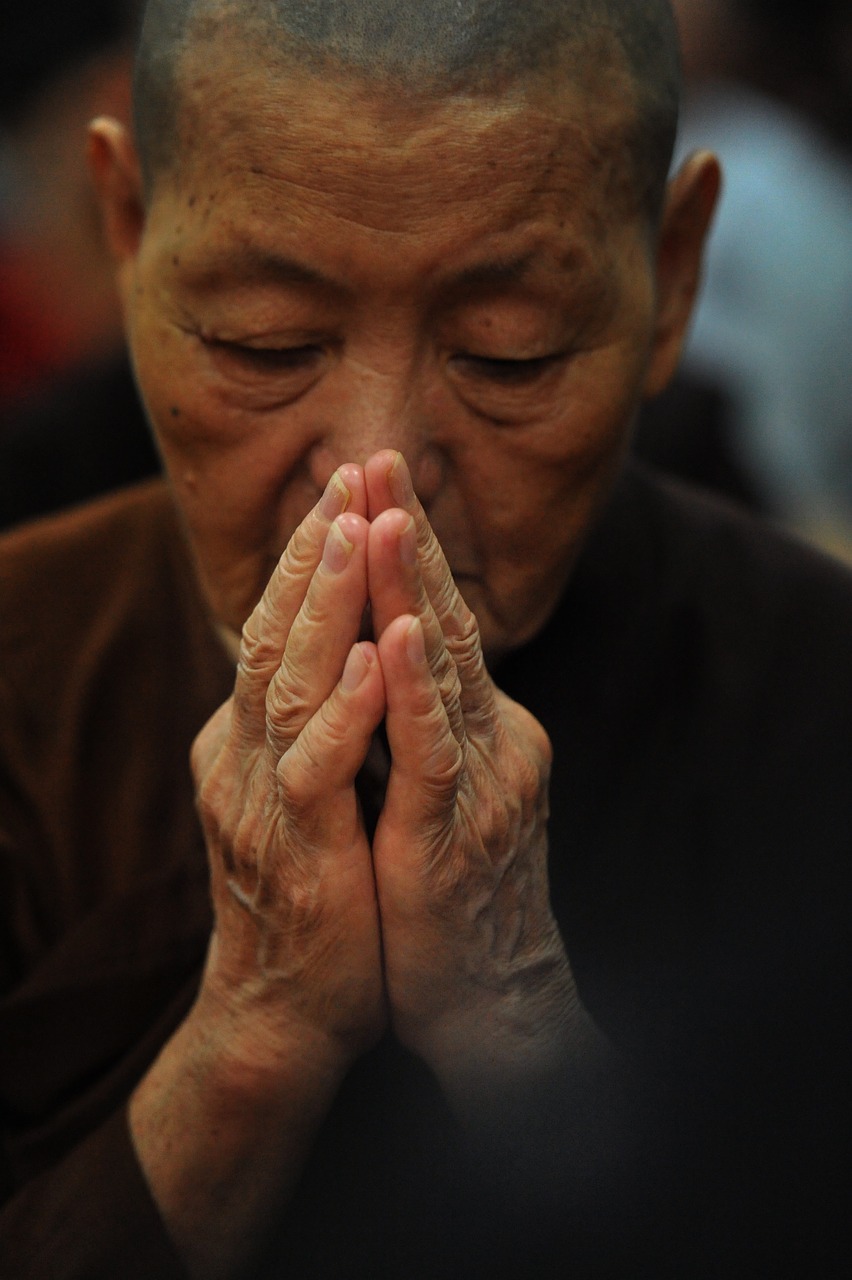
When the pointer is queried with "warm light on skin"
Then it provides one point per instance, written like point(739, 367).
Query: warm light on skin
point(325, 283)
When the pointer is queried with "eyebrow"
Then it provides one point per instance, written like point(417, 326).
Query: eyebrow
point(490, 275)
point(249, 265)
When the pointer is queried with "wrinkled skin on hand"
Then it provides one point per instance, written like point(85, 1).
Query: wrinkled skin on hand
point(296, 947)
point(444, 926)
point(475, 968)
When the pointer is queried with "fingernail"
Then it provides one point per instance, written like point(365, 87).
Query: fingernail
point(336, 498)
point(399, 483)
point(356, 667)
point(408, 544)
point(415, 643)
point(337, 549)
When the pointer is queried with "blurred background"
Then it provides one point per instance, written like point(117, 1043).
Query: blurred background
point(70, 423)
point(762, 405)
point(761, 409)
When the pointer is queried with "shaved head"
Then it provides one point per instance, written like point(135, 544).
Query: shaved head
point(437, 48)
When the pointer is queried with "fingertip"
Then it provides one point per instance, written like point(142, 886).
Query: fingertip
point(400, 483)
point(353, 527)
point(403, 638)
point(336, 497)
point(388, 482)
point(395, 529)
point(361, 661)
point(379, 464)
point(352, 476)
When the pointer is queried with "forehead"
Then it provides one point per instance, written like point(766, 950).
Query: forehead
point(343, 137)
point(375, 193)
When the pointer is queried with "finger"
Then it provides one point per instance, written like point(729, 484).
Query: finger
point(266, 630)
point(428, 758)
point(321, 634)
point(333, 745)
point(400, 570)
point(396, 588)
point(388, 484)
point(209, 741)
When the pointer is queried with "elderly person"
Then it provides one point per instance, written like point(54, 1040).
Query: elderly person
point(396, 277)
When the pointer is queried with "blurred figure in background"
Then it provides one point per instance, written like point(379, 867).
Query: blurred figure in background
point(59, 65)
point(774, 329)
point(70, 424)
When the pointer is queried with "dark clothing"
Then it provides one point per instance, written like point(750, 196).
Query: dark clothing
point(697, 685)
point(80, 436)
point(689, 432)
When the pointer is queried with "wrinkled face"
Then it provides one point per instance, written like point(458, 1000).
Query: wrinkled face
point(335, 272)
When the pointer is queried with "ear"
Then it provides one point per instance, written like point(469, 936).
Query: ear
point(117, 176)
point(690, 201)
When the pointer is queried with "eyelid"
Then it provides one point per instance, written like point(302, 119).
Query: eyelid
point(278, 357)
point(508, 369)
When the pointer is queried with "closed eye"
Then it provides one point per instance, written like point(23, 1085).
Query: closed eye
point(267, 359)
point(508, 372)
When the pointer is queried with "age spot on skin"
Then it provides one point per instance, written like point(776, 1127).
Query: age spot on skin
point(175, 411)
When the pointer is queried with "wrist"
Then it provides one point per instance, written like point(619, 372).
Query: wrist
point(256, 1051)
point(222, 1124)
point(515, 1045)
point(269, 1020)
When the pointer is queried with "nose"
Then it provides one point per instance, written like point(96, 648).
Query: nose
point(364, 409)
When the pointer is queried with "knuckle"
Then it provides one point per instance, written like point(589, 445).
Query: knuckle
point(545, 754)
point(471, 666)
point(497, 819)
point(286, 710)
point(302, 551)
point(212, 801)
point(303, 771)
point(332, 729)
point(299, 787)
point(444, 594)
point(443, 770)
point(528, 734)
point(447, 679)
point(529, 784)
point(259, 650)
point(518, 775)
point(464, 643)
point(464, 630)
point(208, 741)
point(539, 747)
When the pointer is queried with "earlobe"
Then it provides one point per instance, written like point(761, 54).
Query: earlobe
point(115, 170)
point(687, 217)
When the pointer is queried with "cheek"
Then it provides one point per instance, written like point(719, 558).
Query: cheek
point(220, 457)
point(536, 497)
point(534, 490)
point(239, 479)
